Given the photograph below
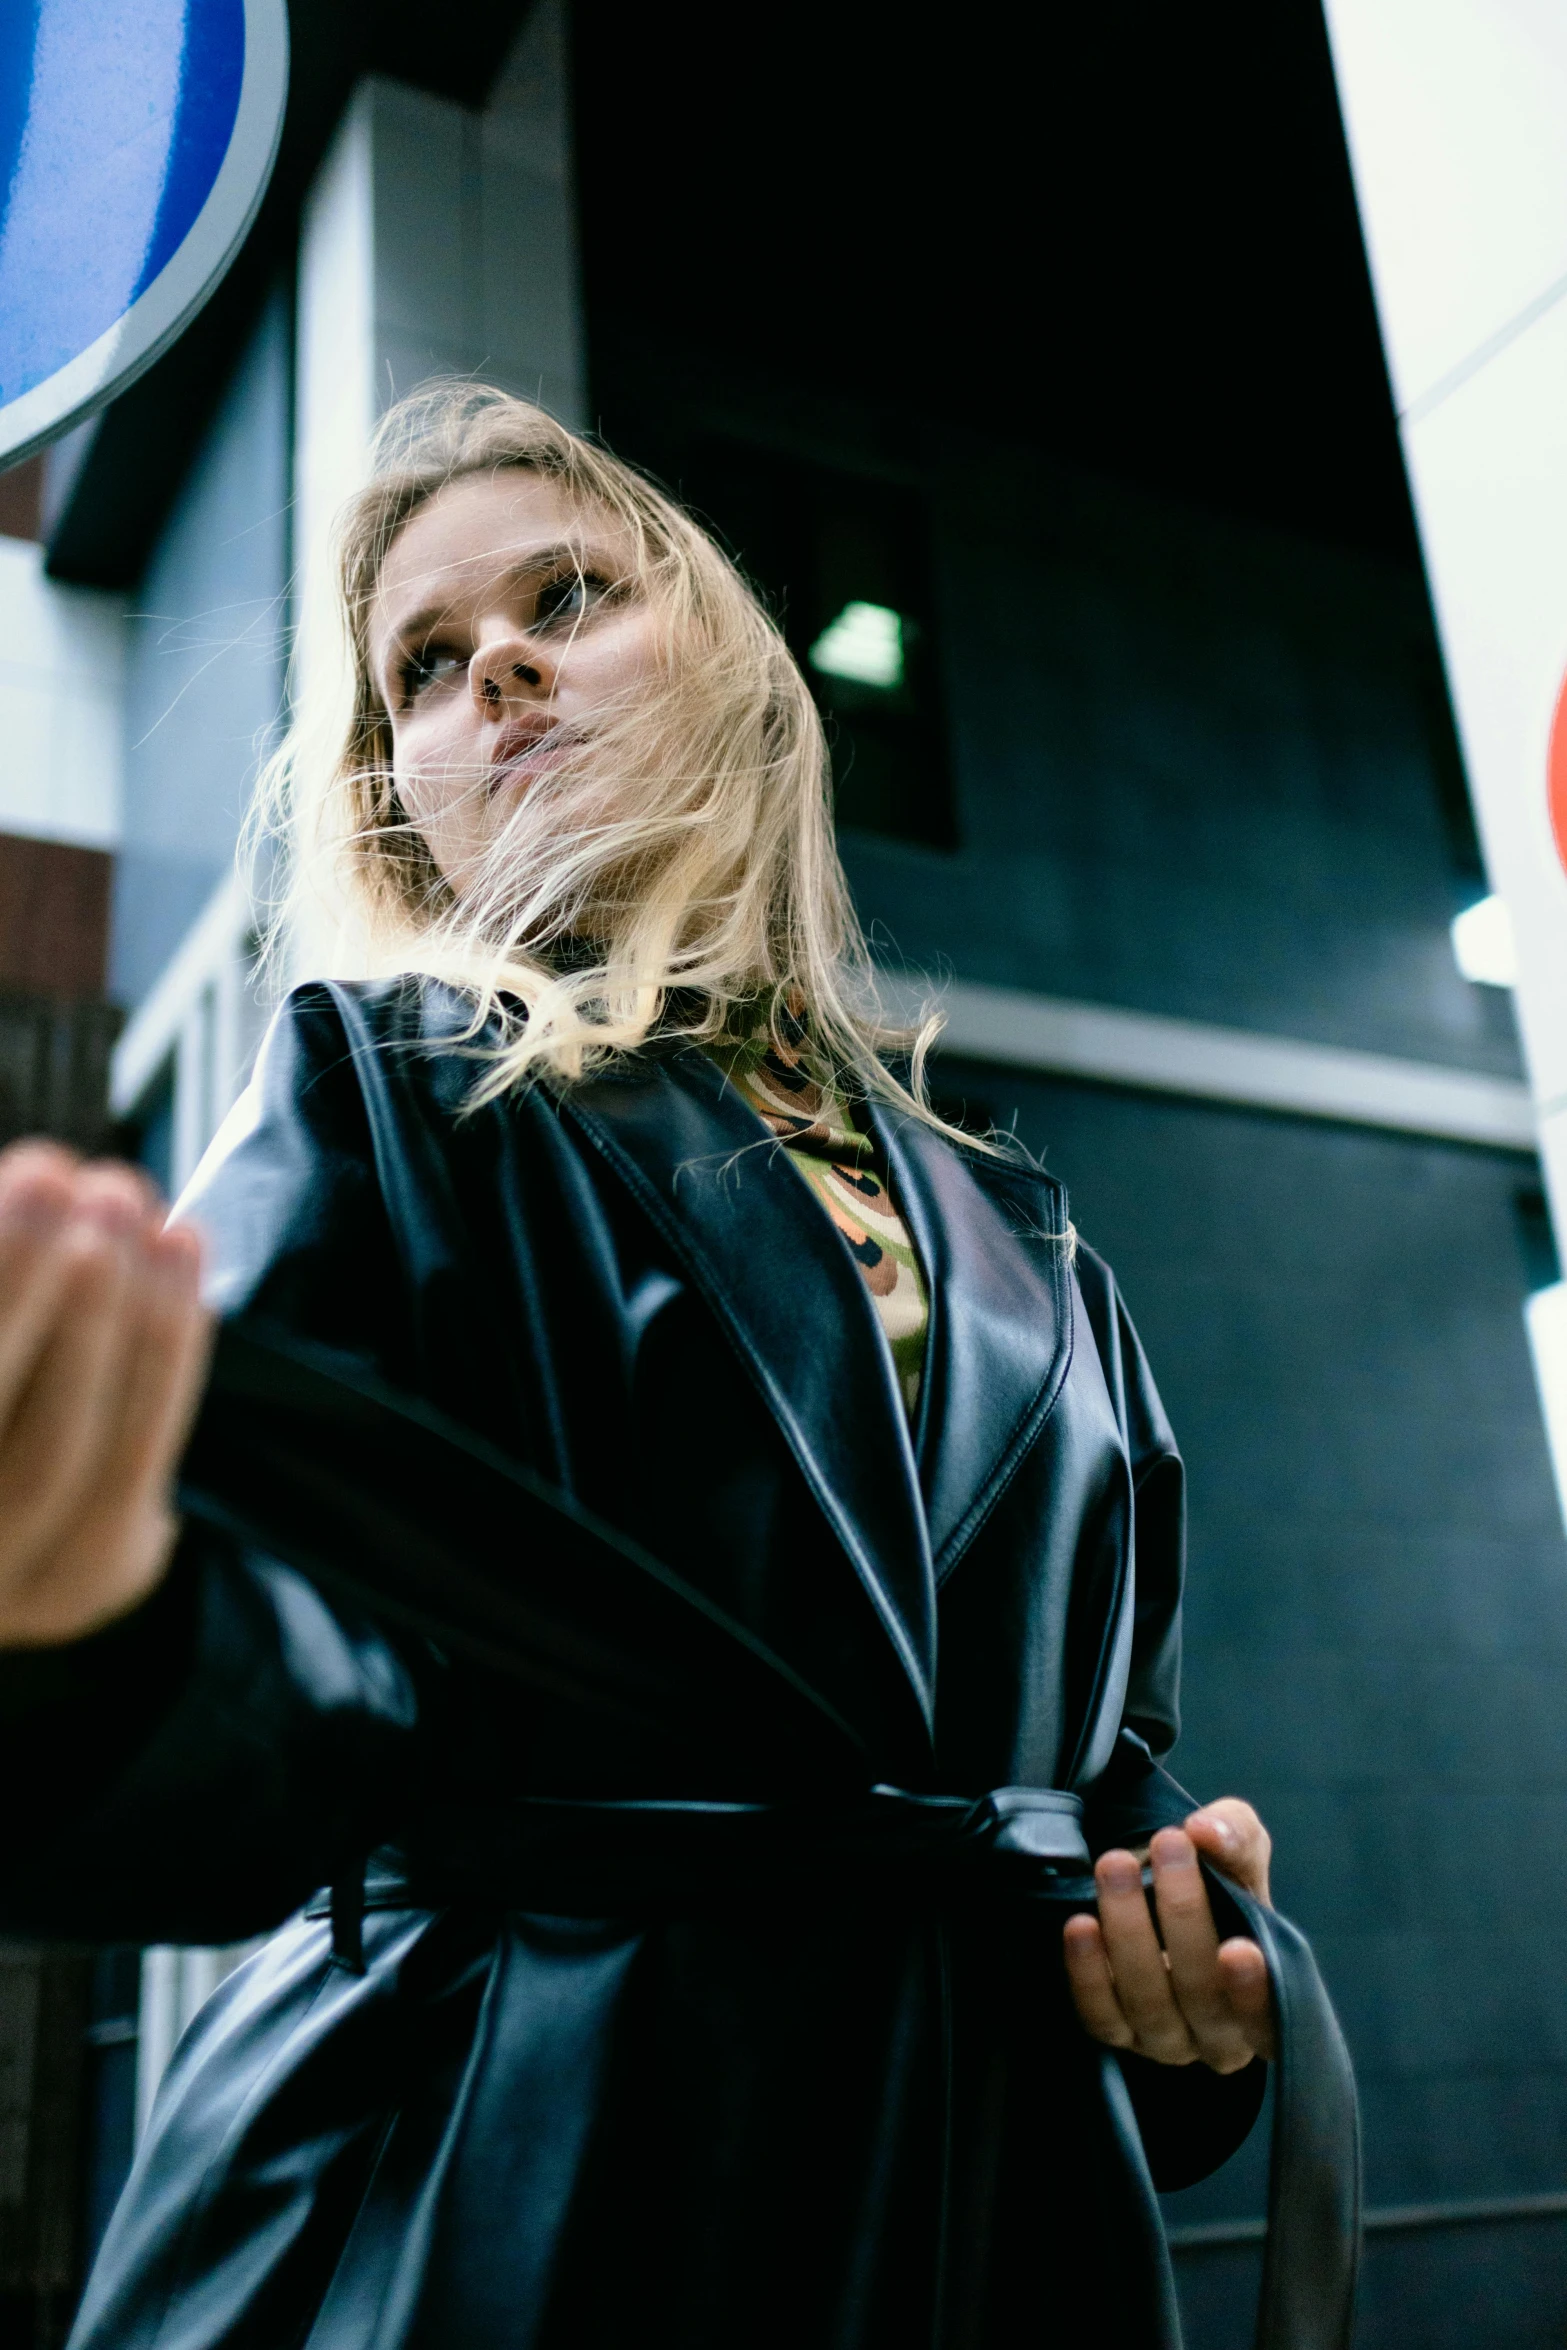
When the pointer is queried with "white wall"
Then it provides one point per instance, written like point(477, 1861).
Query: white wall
point(436, 242)
point(475, 267)
point(206, 632)
point(61, 686)
point(1456, 112)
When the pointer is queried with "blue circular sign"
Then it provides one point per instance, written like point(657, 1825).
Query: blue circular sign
point(136, 141)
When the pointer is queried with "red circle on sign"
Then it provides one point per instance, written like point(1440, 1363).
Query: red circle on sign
point(1556, 775)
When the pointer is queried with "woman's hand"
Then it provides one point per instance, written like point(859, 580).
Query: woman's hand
point(1198, 1997)
point(103, 1347)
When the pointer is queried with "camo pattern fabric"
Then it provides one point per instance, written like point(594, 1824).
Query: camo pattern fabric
point(839, 1163)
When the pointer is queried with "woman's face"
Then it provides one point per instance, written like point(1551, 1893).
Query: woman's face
point(506, 617)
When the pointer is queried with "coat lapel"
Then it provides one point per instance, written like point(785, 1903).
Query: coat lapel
point(1000, 1341)
point(781, 1283)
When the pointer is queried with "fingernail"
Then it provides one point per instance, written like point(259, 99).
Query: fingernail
point(1173, 1849)
point(1119, 1872)
point(1219, 1827)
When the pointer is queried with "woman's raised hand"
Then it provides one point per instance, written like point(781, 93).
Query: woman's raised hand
point(103, 1347)
point(1197, 1998)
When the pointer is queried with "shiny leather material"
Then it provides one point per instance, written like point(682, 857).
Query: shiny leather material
point(1313, 2245)
point(288, 1448)
point(817, 2112)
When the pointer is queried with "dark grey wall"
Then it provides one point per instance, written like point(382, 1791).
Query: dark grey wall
point(1200, 772)
point(1200, 768)
point(1376, 1640)
point(204, 664)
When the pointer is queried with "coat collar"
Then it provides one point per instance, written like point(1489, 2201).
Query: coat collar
point(989, 1234)
point(780, 1282)
point(1001, 1331)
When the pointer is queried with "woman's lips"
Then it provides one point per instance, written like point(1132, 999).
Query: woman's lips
point(532, 752)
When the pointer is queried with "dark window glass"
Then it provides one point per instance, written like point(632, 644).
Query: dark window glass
point(844, 563)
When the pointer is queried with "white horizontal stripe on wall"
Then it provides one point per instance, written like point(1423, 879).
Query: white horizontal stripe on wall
point(1156, 1054)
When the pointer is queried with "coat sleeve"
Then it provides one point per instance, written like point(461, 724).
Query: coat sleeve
point(199, 1767)
point(289, 1198)
point(1150, 1715)
point(1191, 2119)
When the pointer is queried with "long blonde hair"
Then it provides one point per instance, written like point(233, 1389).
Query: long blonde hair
point(675, 872)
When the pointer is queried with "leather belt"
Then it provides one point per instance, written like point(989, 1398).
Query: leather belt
point(573, 1857)
point(580, 1857)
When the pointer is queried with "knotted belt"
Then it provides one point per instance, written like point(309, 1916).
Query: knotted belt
point(579, 1857)
point(380, 1498)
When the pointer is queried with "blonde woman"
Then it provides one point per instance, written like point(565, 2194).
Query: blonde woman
point(599, 1147)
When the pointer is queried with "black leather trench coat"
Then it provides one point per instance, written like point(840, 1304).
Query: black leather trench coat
point(772, 2107)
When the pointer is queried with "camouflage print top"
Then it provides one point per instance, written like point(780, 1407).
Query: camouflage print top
point(839, 1163)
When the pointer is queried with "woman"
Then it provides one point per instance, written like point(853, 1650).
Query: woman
point(540, 1165)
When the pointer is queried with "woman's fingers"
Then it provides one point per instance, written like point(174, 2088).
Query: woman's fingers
point(1230, 1835)
point(1191, 1943)
point(65, 1416)
point(163, 1374)
point(37, 1190)
point(1093, 1985)
point(103, 1344)
point(122, 1534)
point(1142, 1980)
point(1244, 1972)
point(1176, 1995)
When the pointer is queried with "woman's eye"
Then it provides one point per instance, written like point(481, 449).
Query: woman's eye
point(430, 667)
point(568, 598)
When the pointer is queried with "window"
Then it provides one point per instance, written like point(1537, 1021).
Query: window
point(844, 564)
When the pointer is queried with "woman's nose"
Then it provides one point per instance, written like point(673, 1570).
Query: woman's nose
point(508, 671)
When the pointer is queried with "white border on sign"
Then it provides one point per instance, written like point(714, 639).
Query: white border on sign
point(120, 354)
